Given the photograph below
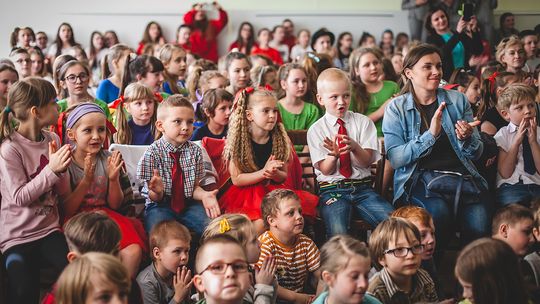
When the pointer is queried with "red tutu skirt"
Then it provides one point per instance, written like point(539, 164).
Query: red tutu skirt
point(247, 200)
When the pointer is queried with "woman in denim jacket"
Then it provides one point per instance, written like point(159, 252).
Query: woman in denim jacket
point(431, 143)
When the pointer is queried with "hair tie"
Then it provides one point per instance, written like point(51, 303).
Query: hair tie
point(314, 57)
point(268, 87)
point(249, 90)
point(158, 97)
point(116, 102)
point(8, 110)
point(491, 79)
point(224, 225)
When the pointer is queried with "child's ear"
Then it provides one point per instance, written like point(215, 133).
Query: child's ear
point(249, 115)
point(536, 233)
point(198, 283)
point(34, 111)
point(505, 114)
point(382, 261)
point(503, 230)
point(70, 134)
point(63, 84)
point(408, 73)
point(159, 126)
point(328, 278)
point(71, 256)
point(271, 220)
point(283, 84)
point(207, 113)
point(156, 253)
point(139, 77)
point(319, 99)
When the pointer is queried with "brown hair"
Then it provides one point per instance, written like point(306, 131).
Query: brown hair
point(57, 65)
point(283, 75)
point(75, 282)
point(22, 96)
point(114, 54)
point(238, 148)
point(63, 93)
point(211, 100)
point(14, 39)
point(492, 268)
point(172, 101)
point(413, 213)
point(489, 88)
point(271, 201)
point(165, 55)
point(338, 251)
point(194, 77)
point(216, 239)
point(362, 96)
point(515, 93)
point(258, 74)
point(510, 215)
point(165, 231)
point(388, 231)
point(239, 227)
point(92, 231)
point(146, 36)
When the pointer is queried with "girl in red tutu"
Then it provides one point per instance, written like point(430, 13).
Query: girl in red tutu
point(258, 153)
point(98, 181)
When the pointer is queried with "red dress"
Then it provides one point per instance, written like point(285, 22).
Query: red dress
point(205, 44)
point(247, 199)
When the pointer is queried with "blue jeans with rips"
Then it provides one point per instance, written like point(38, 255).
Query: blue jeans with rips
point(335, 207)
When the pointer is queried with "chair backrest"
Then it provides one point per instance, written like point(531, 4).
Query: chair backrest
point(299, 137)
point(131, 155)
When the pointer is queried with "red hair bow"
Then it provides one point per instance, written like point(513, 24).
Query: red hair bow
point(115, 103)
point(249, 90)
point(268, 87)
point(491, 79)
point(158, 97)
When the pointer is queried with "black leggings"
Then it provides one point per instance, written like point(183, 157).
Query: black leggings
point(24, 261)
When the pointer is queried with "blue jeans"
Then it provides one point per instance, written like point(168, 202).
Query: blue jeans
point(518, 193)
point(193, 216)
point(473, 219)
point(369, 205)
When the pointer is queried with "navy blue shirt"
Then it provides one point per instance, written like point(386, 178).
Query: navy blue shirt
point(141, 135)
point(203, 131)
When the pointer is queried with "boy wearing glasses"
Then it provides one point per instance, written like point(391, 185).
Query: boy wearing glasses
point(396, 247)
point(222, 270)
point(21, 60)
point(295, 254)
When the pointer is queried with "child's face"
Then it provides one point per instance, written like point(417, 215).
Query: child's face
point(76, 80)
point(529, 43)
point(279, 34)
point(253, 248)
point(245, 32)
point(323, 45)
point(473, 91)
point(295, 84)
point(24, 38)
point(22, 63)
point(303, 38)
point(520, 237)
point(397, 63)
point(263, 113)
point(467, 290)
point(370, 42)
point(387, 39)
point(288, 219)
point(153, 80)
point(7, 79)
point(346, 41)
point(238, 73)
point(222, 113)
point(177, 65)
point(401, 267)
point(65, 33)
point(524, 109)
point(227, 287)
point(41, 40)
point(97, 41)
point(37, 64)
point(335, 96)
point(217, 83)
point(177, 125)
point(48, 113)
point(173, 255)
point(89, 133)
point(369, 68)
point(183, 35)
point(350, 284)
point(513, 56)
point(103, 291)
point(264, 37)
point(271, 79)
point(427, 234)
point(141, 111)
point(153, 31)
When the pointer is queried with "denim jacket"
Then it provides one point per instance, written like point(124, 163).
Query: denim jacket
point(405, 145)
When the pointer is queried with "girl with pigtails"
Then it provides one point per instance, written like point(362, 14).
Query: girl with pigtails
point(258, 152)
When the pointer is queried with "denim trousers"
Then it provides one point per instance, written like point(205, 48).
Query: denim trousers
point(193, 216)
point(517, 193)
point(336, 205)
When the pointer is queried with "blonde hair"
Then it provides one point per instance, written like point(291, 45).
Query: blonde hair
point(114, 54)
point(75, 282)
point(134, 91)
point(504, 44)
point(172, 101)
point(388, 231)
point(194, 77)
point(238, 147)
point(92, 231)
point(338, 251)
point(258, 74)
point(362, 96)
point(165, 231)
point(236, 225)
point(515, 93)
point(22, 96)
point(165, 55)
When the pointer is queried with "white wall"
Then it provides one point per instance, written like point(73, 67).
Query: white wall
point(129, 18)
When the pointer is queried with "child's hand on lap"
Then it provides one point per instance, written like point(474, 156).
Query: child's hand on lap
point(272, 167)
point(265, 275)
point(114, 165)
point(211, 204)
point(182, 284)
point(59, 159)
point(155, 187)
point(89, 168)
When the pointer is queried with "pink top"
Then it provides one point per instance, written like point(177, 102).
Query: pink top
point(29, 190)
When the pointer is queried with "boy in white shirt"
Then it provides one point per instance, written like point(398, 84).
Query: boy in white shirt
point(343, 145)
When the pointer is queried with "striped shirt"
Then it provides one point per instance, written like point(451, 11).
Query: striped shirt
point(383, 288)
point(157, 156)
point(293, 263)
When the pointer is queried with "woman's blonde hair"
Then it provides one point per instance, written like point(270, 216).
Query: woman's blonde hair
point(236, 225)
point(75, 282)
point(134, 91)
point(338, 251)
point(504, 44)
point(22, 96)
point(165, 55)
point(362, 96)
point(238, 147)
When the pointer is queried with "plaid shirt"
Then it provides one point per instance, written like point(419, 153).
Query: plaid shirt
point(157, 156)
point(385, 290)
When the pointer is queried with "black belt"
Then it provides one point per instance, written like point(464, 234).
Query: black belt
point(345, 183)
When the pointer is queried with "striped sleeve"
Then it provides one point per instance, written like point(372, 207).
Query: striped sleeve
point(313, 256)
point(266, 248)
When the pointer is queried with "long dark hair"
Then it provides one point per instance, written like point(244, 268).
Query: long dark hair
point(146, 36)
point(338, 46)
point(251, 41)
point(58, 40)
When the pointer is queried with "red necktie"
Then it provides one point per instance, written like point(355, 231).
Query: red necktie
point(345, 168)
point(177, 199)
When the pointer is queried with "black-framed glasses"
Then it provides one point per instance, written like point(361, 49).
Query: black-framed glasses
point(220, 267)
point(73, 78)
point(401, 252)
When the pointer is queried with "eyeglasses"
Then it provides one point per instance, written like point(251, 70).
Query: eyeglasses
point(20, 61)
point(221, 268)
point(73, 78)
point(401, 252)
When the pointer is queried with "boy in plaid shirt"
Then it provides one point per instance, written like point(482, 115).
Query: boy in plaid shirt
point(172, 190)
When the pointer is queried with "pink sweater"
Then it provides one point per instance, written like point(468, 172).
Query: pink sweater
point(29, 190)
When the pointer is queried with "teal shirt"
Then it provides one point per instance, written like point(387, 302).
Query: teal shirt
point(458, 53)
point(366, 300)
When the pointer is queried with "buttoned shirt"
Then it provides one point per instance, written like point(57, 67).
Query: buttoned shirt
point(385, 290)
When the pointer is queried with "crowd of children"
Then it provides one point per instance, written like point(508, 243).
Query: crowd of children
point(228, 217)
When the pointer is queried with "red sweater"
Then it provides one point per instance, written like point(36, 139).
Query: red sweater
point(271, 53)
point(201, 44)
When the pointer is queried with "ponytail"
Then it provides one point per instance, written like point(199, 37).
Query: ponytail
point(14, 37)
point(193, 82)
point(6, 127)
point(123, 131)
point(105, 70)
